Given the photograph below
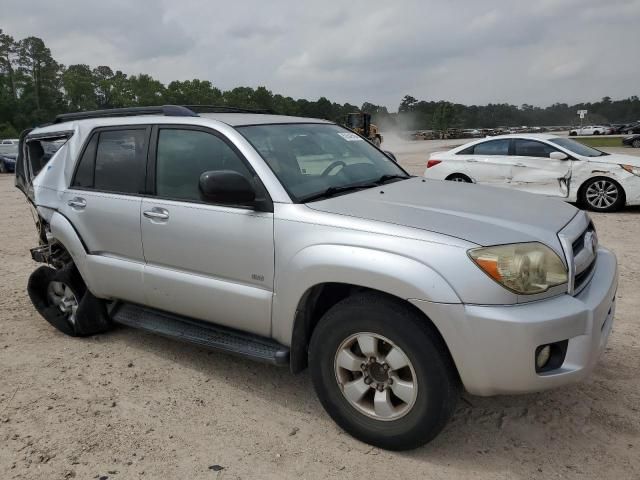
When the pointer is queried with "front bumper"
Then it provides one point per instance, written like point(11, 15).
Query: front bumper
point(494, 347)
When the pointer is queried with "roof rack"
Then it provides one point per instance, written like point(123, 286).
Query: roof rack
point(167, 110)
point(226, 109)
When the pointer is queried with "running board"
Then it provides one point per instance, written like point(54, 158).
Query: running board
point(203, 334)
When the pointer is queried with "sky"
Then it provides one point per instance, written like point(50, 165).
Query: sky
point(475, 52)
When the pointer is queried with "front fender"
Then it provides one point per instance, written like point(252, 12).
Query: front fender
point(388, 272)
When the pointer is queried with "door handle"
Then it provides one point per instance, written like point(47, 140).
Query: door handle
point(156, 214)
point(77, 202)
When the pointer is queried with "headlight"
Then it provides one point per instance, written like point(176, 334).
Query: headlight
point(632, 169)
point(523, 268)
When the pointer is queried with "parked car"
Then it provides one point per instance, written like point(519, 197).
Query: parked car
point(544, 164)
point(7, 163)
point(590, 130)
point(632, 141)
point(631, 129)
point(296, 242)
point(8, 146)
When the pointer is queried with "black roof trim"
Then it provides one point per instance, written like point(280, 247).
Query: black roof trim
point(167, 110)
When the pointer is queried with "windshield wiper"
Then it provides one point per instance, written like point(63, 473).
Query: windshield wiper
point(332, 191)
point(385, 178)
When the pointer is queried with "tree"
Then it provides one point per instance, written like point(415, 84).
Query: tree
point(443, 116)
point(78, 82)
point(407, 104)
point(146, 90)
point(103, 85)
point(40, 73)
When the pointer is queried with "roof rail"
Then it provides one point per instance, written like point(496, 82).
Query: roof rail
point(166, 110)
point(225, 109)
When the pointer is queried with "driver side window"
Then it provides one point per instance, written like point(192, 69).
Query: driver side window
point(183, 155)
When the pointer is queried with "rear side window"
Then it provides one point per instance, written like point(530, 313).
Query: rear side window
point(531, 148)
point(183, 155)
point(492, 147)
point(114, 161)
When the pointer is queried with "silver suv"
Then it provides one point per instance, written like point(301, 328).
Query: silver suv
point(297, 242)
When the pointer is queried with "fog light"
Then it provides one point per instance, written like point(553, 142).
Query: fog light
point(543, 356)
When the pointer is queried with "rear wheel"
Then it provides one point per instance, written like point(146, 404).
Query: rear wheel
point(636, 143)
point(392, 387)
point(573, 134)
point(458, 177)
point(3, 167)
point(62, 298)
point(602, 195)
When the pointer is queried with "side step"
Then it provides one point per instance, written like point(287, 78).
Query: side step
point(201, 333)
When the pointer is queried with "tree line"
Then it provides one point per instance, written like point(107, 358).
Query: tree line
point(420, 114)
point(34, 88)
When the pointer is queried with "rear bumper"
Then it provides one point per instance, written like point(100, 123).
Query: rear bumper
point(494, 346)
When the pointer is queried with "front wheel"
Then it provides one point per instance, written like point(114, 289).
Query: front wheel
point(458, 177)
point(602, 195)
point(382, 372)
point(636, 143)
point(3, 168)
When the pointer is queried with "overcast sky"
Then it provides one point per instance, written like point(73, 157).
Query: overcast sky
point(474, 52)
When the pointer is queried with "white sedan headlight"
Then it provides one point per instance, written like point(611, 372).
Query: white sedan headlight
point(631, 169)
point(523, 268)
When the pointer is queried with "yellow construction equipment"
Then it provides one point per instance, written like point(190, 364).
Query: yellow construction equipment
point(361, 124)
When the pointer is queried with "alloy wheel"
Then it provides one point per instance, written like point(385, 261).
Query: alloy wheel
point(375, 376)
point(60, 295)
point(602, 194)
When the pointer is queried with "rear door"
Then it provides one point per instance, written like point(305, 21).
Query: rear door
point(487, 162)
point(103, 204)
point(535, 172)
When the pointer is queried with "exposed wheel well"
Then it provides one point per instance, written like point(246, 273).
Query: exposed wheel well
point(459, 175)
point(316, 301)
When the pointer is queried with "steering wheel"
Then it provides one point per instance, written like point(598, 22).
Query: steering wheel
point(337, 163)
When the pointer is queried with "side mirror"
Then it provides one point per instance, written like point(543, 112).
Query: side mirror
point(558, 156)
point(390, 155)
point(226, 186)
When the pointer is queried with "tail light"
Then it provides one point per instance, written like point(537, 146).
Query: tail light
point(433, 163)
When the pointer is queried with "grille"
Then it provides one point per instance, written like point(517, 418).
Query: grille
point(584, 259)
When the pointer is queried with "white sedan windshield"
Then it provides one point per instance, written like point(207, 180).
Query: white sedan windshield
point(577, 147)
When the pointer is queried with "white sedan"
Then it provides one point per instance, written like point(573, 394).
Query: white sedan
point(590, 130)
point(544, 164)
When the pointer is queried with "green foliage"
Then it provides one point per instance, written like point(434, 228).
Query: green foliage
point(7, 131)
point(34, 88)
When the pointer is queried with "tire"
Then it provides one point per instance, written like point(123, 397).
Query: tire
point(596, 132)
point(3, 168)
point(458, 177)
point(377, 142)
point(573, 134)
point(63, 300)
point(636, 143)
point(602, 194)
point(427, 406)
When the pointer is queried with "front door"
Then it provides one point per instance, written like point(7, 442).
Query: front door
point(205, 261)
point(535, 172)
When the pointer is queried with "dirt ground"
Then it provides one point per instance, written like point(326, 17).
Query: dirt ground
point(128, 404)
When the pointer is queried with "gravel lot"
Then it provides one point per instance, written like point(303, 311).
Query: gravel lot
point(132, 405)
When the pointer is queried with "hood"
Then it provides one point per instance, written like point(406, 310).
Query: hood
point(615, 159)
point(478, 214)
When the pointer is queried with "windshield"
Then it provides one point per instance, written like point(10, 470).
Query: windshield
point(320, 160)
point(577, 147)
